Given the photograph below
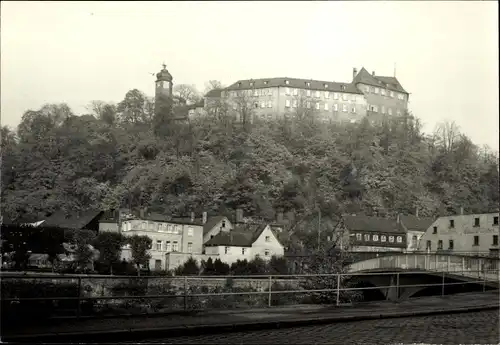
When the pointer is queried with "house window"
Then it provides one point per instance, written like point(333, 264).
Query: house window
point(317, 94)
point(308, 83)
point(287, 90)
point(428, 245)
point(495, 240)
point(450, 244)
point(223, 223)
point(175, 246)
point(376, 90)
point(327, 94)
point(440, 244)
point(358, 237)
point(399, 239)
point(435, 230)
point(317, 105)
point(143, 225)
point(452, 223)
point(226, 250)
point(167, 246)
point(391, 238)
point(308, 93)
point(476, 240)
point(263, 104)
point(476, 222)
point(287, 103)
point(255, 93)
point(294, 104)
point(392, 94)
point(375, 237)
point(414, 240)
point(335, 95)
point(295, 92)
point(190, 247)
point(269, 104)
point(389, 111)
point(398, 112)
point(243, 250)
point(353, 110)
point(190, 231)
point(383, 238)
point(326, 86)
point(383, 109)
point(367, 237)
point(367, 89)
point(234, 106)
point(158, 245)
point(335, 107)
point(265, 82)
point(251, 83)
point(326, 106)
point(268, 238)
point(372, 89)
point(344, 108)
point(266, 252)
point(495, 220)
point(344, 96)
point(256, 105)
point(382, 92)
point(375, 108)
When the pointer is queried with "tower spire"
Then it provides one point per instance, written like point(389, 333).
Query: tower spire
point(164, 66)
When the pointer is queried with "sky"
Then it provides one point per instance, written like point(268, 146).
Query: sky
point(446, 53)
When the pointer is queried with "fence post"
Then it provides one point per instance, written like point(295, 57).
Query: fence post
point(269, 296)
point(397, 286)
point(448, 264)
point(463, 265)
point(185, 292)
point(78, 306)
point(442, 285)
point(484, 281)
point(338, 289)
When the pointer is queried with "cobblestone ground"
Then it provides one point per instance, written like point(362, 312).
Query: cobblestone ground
point(466, 328)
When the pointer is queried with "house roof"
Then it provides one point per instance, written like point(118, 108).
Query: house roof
point(294, 83)
point(414, 223)
point(211, 222)
point(390, 83)
point(375, 224)
point(71, 221)
point(243, 235)
point(214, 93)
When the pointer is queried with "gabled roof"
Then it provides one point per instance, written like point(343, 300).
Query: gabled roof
point(211, 222)
point(294, 83)
point(244, 235)
point(214, 93)
point(390, 83)
point(71, 221)
point(376, 224)
point(414, 223)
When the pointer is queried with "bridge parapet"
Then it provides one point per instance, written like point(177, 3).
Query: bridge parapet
point(461, 265)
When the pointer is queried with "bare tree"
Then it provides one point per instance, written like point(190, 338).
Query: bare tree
point(187, 92)
point(303, 107)
point(213, 85)
point(447, 134)
point(244, 104)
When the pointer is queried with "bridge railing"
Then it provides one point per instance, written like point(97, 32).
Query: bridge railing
point(167, 294)
point(466, 266)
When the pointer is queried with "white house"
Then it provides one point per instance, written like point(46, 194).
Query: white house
point(246, 241)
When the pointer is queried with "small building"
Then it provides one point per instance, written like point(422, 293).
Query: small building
point(463, 233)
point(88, 220)
point(415, 228)
point(245, 241)
point(360, 233)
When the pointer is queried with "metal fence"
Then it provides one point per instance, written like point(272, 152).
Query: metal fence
point(189, 287)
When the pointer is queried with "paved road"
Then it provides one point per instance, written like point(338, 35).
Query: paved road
point(467, 328)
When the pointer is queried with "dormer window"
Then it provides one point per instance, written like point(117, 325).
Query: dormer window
point(326, 86)
point(265, 83)
point(308, 83)
point(342, 87)
point(251, 83)
point(287, 82)
point(239, 84)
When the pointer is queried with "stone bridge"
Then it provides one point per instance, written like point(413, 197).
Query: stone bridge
point(393, 272)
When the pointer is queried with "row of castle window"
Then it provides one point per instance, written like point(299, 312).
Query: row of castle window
point(383, 92)
point(169, 246)
point(375, 238)
point(317, 106)
point(374, 108)
point(160, 227)
point(296, 92)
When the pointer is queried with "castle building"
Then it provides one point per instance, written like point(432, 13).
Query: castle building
point(164, 86)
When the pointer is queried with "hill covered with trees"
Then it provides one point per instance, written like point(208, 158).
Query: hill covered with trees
point(117, 156)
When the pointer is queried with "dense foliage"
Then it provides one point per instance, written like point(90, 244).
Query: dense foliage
point(125, 156)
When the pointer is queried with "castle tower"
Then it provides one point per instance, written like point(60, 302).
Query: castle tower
point(164, 85)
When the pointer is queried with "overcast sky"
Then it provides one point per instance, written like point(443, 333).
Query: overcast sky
point(74, 52)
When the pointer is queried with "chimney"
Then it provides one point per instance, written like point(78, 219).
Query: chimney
point(373, 73)
point(203, 218)
point(192, 217)
point(461, 211)
point(416, 212)
point(354, 72)
point(239, 215)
